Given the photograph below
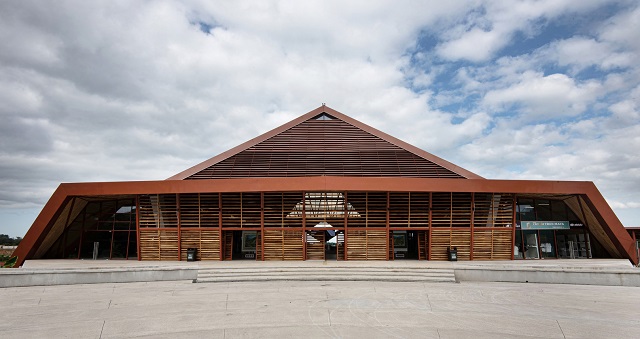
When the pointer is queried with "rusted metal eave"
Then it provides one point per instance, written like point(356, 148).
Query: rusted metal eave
point(611, 224)
point(39, 228)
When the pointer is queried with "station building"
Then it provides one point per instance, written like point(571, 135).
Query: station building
point(327, 187)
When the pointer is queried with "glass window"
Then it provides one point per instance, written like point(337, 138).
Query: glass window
point(531, 250)
point(543, 210)
point(518, 250)
point(558, 210)
point(547, 244)
point(525, 210)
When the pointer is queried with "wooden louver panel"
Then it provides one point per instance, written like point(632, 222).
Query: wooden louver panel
point(325, 147)
point(283, 245)
point(493, 210)
point(451, 209)
point(158, 211)
point(199, 210)
point(367, 244)
point(206, 241)
point(408, 209)
point(443, 238)
point(158, 244)
point(492, 244)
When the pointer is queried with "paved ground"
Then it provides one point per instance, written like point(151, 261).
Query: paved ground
point(320, 310)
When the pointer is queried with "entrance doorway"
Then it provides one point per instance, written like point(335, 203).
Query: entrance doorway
point(240, 245)
point(325, 245)
point(531, 249)
point(404, 245)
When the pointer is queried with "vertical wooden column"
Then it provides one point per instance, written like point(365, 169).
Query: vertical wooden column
point(261, 226)
point(137, 225)
point(430, 226)
point(387, 228)
point(346, 221)
point(179, 227)
point(344, 244)
point(304, 226)
point(513, 225)
point(220, 226)
point(473, 212)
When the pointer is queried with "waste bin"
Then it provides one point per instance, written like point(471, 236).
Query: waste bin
point(452, 253)
point(191, 254)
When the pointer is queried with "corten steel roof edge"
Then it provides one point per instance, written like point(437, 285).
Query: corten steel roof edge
point(614, 228)
point(325, 109)
point(36, 233)
point(612, 225)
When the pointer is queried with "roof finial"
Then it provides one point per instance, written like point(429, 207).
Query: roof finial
point(323, 104)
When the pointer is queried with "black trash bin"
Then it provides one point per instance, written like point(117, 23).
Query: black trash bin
point(452, 253)
point(191, 254)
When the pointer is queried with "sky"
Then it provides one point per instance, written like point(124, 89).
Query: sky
point(141, 90)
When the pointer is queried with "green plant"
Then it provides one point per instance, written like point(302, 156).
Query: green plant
point(9, 262)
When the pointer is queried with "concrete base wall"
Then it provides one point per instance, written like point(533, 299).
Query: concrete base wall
point(550, 276)
point(27, 277)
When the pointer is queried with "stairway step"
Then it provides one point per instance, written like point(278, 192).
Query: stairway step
point(324, 270)
point(319, 269)
point(271, 273)
point(324, 278)
point(322, 273)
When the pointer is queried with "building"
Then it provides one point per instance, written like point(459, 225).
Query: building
point(327, 187)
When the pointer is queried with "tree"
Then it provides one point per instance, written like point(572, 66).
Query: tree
point(8, 241)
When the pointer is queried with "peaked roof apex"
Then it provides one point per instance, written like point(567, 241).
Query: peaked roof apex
point(323, 109)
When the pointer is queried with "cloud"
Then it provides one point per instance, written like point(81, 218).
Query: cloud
point(624, 205)
point(581, 52)
point(138, 91)
point(490, 26)
point(541, 97)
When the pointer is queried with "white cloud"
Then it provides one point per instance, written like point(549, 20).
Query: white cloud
point(492, 25)
point(134, 90)
point(541, 97)
point(582, 52)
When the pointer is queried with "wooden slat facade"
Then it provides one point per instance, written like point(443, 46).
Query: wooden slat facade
point(479, 225)
point(283, 245)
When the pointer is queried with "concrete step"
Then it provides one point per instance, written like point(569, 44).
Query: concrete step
point(318, 272)
point(324, 278)
point(324, 274)
point(328, 270)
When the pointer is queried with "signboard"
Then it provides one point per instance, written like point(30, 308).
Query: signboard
point(544, 225)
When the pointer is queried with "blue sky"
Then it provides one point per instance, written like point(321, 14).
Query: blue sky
point(121, 90)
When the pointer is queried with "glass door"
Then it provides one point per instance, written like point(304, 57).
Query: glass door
point(531, 245)
point(547, 244)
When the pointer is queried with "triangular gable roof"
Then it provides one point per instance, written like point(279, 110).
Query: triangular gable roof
point(325, 142)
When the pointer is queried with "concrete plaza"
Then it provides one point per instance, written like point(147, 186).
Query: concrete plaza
point(296, 309)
